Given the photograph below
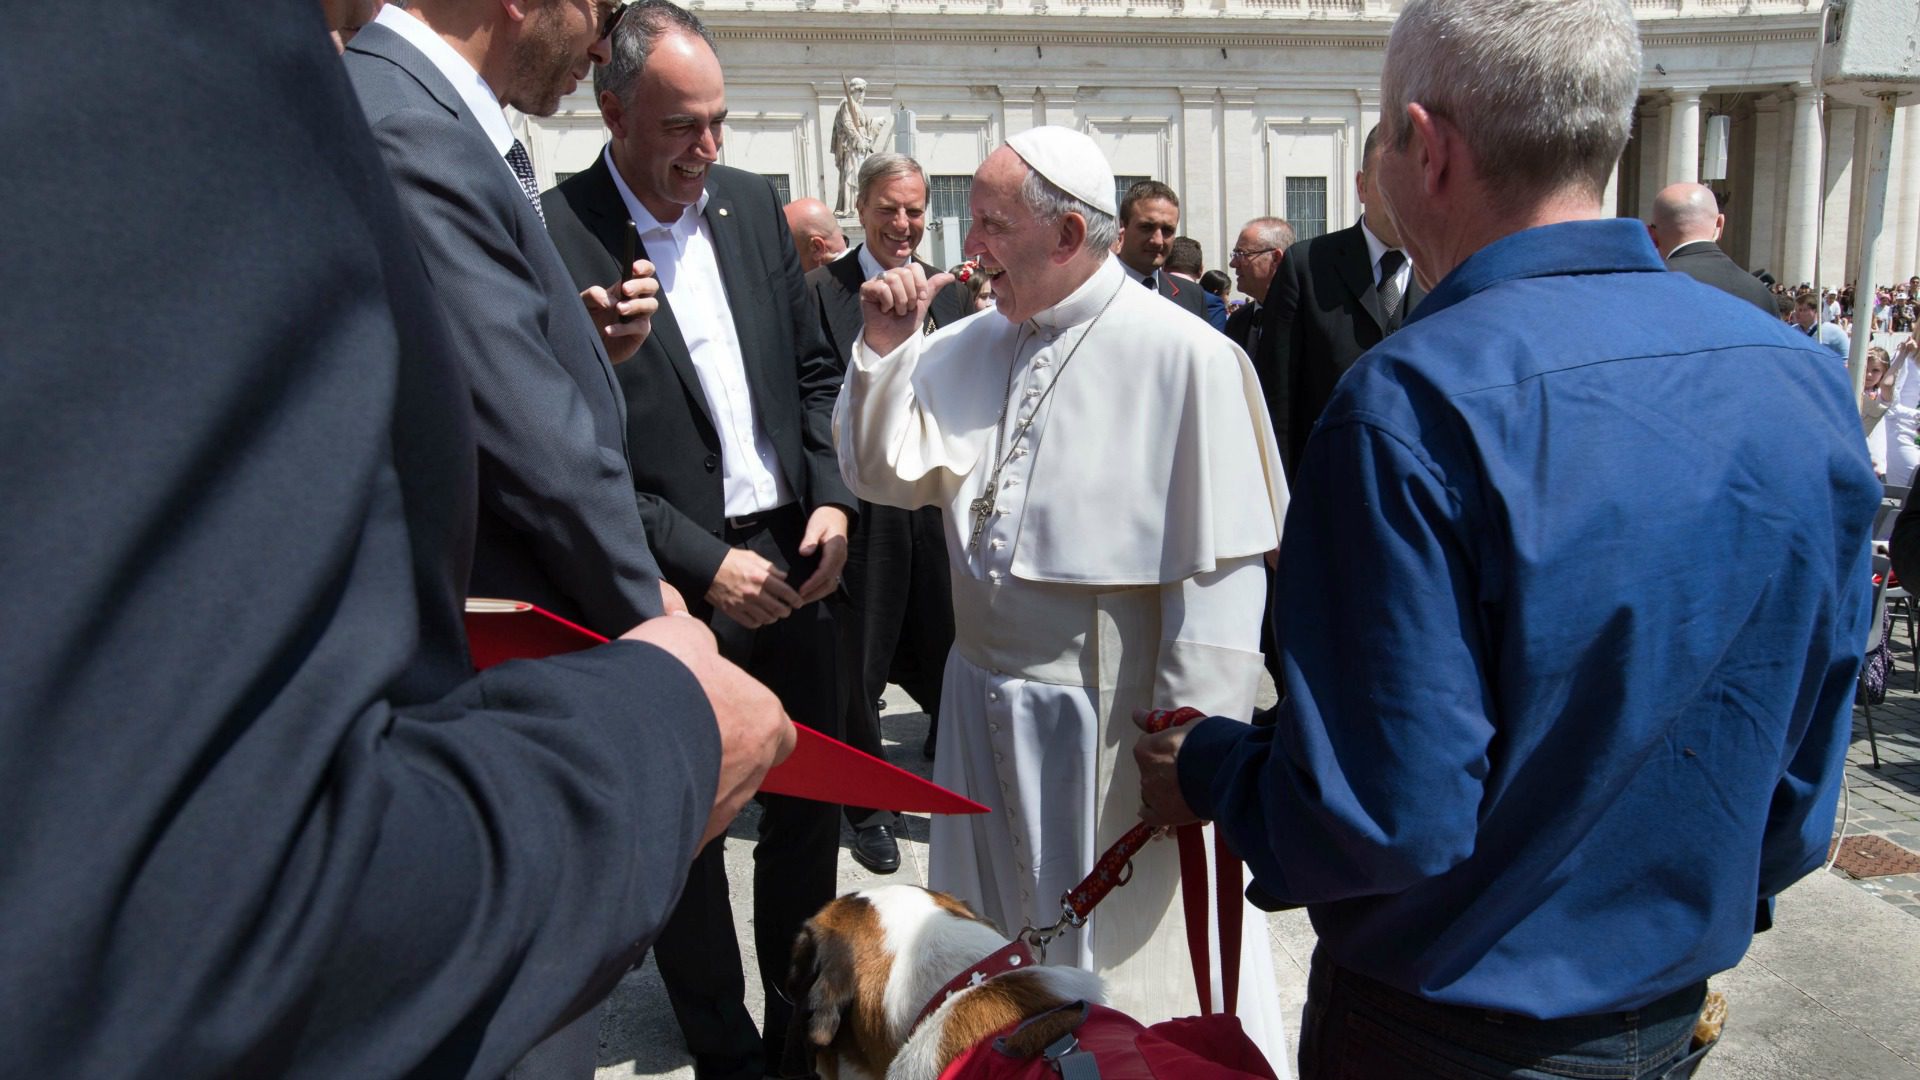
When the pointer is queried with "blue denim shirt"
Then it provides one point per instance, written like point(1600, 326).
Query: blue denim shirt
point(1570, 602)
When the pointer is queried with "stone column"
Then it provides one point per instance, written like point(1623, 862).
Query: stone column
point(1203, 209)
point(1021, 109)
point(1762, 229)
point(1369, 116)
point(1803, 190)
point(1683, 136)
point(1653, 145)
point(1904, 214)
point(1060, 102)
point(1243, 159)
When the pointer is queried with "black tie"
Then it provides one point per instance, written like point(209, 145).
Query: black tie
point(1149, 282)
point(1389, 288)
point(523, 172)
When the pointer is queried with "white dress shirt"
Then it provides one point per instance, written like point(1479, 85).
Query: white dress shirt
point(1377, 248)
point(473, 90)
point(689, 275)
point(870, 267)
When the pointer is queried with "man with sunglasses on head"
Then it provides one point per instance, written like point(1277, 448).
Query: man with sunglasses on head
point(558, 522)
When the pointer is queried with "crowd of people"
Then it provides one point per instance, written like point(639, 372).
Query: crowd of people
point(1565, 674)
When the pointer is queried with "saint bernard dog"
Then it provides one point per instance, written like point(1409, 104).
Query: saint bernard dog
point(868, 965)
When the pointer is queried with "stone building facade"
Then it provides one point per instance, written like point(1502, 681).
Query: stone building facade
point(1251, 107)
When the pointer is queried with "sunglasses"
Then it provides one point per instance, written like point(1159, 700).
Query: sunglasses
point(612, 19)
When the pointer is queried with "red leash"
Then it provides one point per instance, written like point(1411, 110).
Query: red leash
point(1114, 868)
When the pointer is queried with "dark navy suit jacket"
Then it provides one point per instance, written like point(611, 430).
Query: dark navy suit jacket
point(261, 819)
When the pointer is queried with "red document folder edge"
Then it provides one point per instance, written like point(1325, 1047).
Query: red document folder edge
point(819, 768)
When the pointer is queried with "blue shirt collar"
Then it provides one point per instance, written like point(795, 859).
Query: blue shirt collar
point(1605, 246)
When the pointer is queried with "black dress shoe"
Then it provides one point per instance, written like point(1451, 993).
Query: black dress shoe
point(875, 849)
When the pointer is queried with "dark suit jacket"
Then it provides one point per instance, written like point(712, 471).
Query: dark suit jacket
point(1322, 312)
point(836, 294)
point(1187, 294)
point(1240, 325)
point(261, 818)
point(1703, 261)
point(558, 525)
point(791, 369)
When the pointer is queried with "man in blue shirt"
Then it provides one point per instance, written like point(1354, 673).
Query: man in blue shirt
point(1806, 315)
point(1569, 620)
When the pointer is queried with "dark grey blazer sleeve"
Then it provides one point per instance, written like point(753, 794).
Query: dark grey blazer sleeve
point(819, 369)
point(1280, 333)
point(260, 819)
point(543, 466)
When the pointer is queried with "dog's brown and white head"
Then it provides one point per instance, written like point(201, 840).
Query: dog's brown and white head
point(864, 967)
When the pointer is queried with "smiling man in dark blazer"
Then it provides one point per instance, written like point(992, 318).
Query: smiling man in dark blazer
point(900, 616)
point(729, 404)
point(1335, 296)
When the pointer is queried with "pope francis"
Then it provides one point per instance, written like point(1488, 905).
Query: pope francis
point(1110, 487)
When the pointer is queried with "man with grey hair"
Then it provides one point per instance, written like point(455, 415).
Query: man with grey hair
point(1567, 683)
point(1256, 256)
point(1686, 222)
point(899, 624)
point(1110, 488)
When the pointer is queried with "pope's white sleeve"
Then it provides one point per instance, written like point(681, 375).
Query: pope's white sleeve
point(1210, 639)
point(890, 445)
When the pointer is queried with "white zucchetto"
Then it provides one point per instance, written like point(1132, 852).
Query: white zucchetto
point(1071, 162)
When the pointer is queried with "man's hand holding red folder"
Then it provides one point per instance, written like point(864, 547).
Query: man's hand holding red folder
point(755, 733)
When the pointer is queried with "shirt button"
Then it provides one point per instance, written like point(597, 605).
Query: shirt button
point(993, 727)
point(993, 695)
point(994, 574)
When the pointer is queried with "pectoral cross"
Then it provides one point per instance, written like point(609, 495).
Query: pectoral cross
point(982, 509)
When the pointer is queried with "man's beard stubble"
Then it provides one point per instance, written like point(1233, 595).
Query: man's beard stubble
point(543, 63)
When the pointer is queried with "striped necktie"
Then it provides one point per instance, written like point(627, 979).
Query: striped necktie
point(523, 171)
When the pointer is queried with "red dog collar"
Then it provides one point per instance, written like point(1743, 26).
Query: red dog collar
point(1013, 956)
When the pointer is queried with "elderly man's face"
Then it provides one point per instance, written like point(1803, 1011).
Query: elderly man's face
point(894, 215)
point(1252, 274)
point(1006, 237)
point(671, 135)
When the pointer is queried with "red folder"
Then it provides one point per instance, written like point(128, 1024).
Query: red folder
point(819, 768)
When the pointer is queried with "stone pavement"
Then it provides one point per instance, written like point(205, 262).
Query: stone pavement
point(1833, 991)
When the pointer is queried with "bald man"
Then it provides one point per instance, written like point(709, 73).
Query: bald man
point(815, 233)
point(1686, 222)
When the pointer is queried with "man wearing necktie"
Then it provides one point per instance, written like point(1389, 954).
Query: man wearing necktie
point(1149, 218)
point(1333, 298)
point(1256, 257)
point(557, 524)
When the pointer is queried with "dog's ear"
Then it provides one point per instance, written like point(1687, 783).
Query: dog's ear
point(820, 986)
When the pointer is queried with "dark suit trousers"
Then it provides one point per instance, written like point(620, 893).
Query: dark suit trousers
point(899, 625)
point(799, 841)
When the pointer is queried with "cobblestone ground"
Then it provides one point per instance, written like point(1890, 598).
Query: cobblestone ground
point(1885, 801)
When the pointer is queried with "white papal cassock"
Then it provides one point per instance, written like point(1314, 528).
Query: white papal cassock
point(1121, 567)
